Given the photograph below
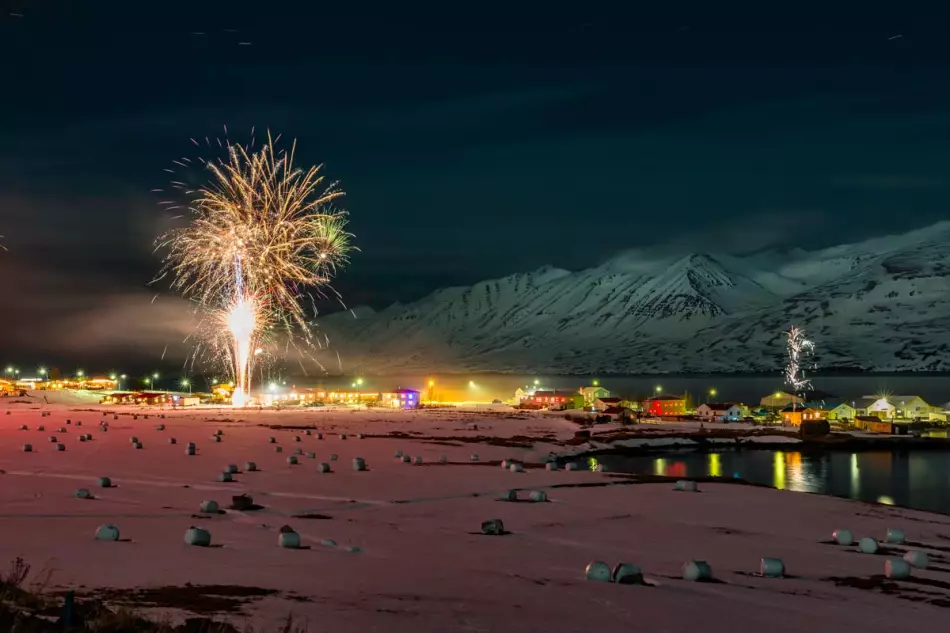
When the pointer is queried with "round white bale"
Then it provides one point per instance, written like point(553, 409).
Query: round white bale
point(27, 448)
point(627, 574)
point(231, 468)
point(406, 459)
point(896, 569)
point(772, 568)
point(552, 466)
point(297, 438)
point(328, 542)
point(210, 506)
point(82, 438)
point(278, 449)
point(41, 428)
point(105, 482)
point(52, 439)
point(516, 467)
point(342, 436)
point(538, 496)
point(493, 527)
point(868, 545)
point(311, 455)
point(219, 432)
point(598, 571)
point(842, 536)
point(323, 467)
point(250, 467)
point(307, 432)
point(319, 436)
point(474, 457)
point(298, 451)
point(272, 440)
point(917, 558)
point(685, 485)
point(398, 455)
point(506, 463)
point(197, 537)
point(334, 457)
point(133, 439)
point(359, 464)
point(83, 493)
point(215, 438)
point(354, 549)
point(895, 536)
point(443, 459)
point(697, 571)
point(417, 460)
point(137, 445)
point(292, 460)
point(61, 447)
point(160, 427)
point(172, 440)
point(225, 477)
point(288, 540)
point(601, 468)
point(511, 495)
point(190, 449)
point(107, 532)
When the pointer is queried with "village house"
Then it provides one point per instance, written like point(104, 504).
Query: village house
point(619, 414)
point(605, 402)
point(555, 399)
point(795, 414)
point(872, 424)
point(712, 411)
point(592, 394)
point(664, 406)
point(843, 412)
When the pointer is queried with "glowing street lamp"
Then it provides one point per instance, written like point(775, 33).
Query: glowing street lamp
point(596, 383)
point(273, 387)
point(80, 373)
point(42, 371)
point(658, 389)
point(431, 389)
point(186, 383)
point(712, 392)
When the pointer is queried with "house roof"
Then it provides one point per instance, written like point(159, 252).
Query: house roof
point(815, 406)
point(663, 398)
point(720, 406)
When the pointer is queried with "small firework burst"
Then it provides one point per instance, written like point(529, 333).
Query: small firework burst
point(262, 236)
point(799, 348)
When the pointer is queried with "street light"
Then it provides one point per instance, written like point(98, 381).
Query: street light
point(712, 393)
point(658, 389)
point(186, 383)
point(42, 371)
point(80, 373)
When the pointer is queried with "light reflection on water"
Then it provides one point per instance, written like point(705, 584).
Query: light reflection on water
point(914, 479)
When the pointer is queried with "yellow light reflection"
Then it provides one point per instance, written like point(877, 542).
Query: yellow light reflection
point(888, 501)
point(592, 463)
point(855, 476)
point(715, 465)
point(659, 466)
point(779, 468)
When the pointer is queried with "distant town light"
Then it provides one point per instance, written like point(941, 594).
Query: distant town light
point(111, 376)
point(471, 383)
point(155, 376)
point(596, 383)
point(42, 371)
point(659, 388)
point(273, 386)
point(80, 373)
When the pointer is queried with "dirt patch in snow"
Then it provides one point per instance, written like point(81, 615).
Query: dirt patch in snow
point(199, 599)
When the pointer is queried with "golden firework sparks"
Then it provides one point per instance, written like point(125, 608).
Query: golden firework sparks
point(263, 234)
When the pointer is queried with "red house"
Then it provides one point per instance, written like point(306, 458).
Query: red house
point(661, 406)
point(551, 398)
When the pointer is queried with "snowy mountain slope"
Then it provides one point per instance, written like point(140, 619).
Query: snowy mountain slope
point(883, 304)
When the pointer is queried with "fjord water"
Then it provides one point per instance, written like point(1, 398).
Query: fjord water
point(913, 479)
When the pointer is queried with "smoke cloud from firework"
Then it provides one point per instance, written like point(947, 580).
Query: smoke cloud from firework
point(799, 348)
point(263, 235)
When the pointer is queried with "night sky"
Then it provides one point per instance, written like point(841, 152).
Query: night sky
point(474, 139)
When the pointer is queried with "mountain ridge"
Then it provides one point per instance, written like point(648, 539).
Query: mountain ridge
point(882, 305)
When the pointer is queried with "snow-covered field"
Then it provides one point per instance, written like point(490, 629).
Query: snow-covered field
point(422, 563)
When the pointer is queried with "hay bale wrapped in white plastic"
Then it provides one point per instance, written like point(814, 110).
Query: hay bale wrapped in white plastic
point(354, 549)
point(137, 446)
point(172, 440)
point(334, 457)
point(278, 449)
point(598, 571)
point(917, 558)
point(83, 493)
point(627, 574)
point(105, 482)
point(538, 496)
point(82, 438)
point(895, 536)
point(292, 460)
point(23, 427)
point(697, 571)
point(323, 467)
point(417, 460)
point(215, 438)
point(298, 451)
point(571, 466)
point(160, 427)
point(297, 438)
point(107, 532)
point(60, 447)
point(359, 436)
point(868, 545)
point(288, 538)
point(78, 422)
point(272, 440)
point(443, 459)
point(600, 468)
point(398, 455)
point(342, 436)
point(250, 467)
point(685, 485)
point(133, 439)
point(511, 495)
point(474, 457)
point(842, 536)
point(210, 506)
point(551, 466)
point(52, 439)
point(506, 463)
point(41, 428)
point(311, 455)
point(231, 468)
point(406, 459)
point(328, 542)
point(772, 568)
point(359, 464)
point(493, 527)
point(27, 448)
point(896, 569)
point(319, 436)
point(61, 429)
point(225, 477)
point(219, 432)
point(307, 432)
point(516, 467)
point(191, 449)
point(197, 537)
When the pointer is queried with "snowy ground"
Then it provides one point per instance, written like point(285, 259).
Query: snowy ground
point(423, 565)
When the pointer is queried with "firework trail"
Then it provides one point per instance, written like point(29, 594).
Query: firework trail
point(798, 348)
point(262, 235)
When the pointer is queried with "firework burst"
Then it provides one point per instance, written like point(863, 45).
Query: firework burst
point(799, 348)
point(263, 235)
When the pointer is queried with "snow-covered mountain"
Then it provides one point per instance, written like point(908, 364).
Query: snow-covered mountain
point(882, 304)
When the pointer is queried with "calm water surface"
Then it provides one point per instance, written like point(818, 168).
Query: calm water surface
point(919, 480)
